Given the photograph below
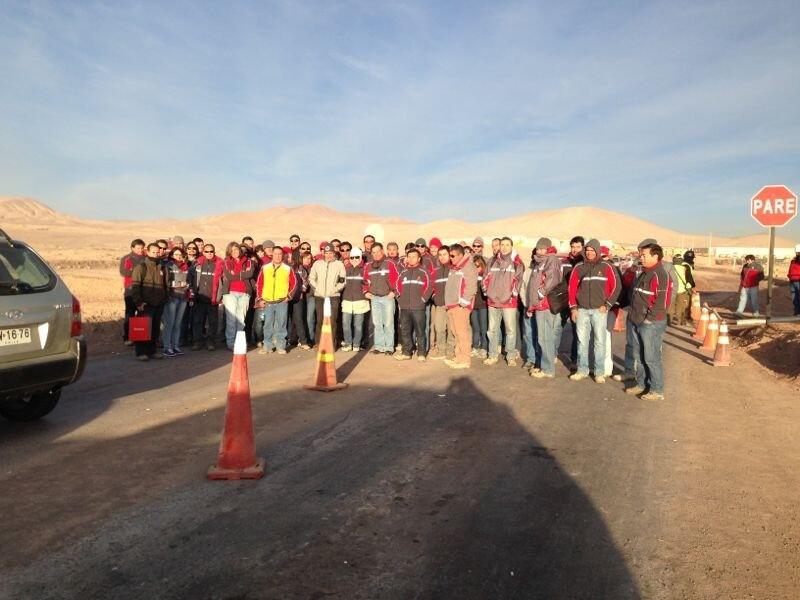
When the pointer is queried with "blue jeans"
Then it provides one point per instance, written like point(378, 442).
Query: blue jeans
point(383, 320)
point(353, 326)
point(750, 294)
point(546, 325)
point(275, 317)
point(529, 336)
point(173, 321)
point(479, 319)
point(794, 289)
point(591, 322)
point(631, 355)
point(508, 316)
point(236, 305)
point(649, 371)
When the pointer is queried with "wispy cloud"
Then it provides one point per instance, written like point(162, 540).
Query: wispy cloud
point(661, 109)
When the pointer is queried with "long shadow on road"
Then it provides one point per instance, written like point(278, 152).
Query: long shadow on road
point(405, 493)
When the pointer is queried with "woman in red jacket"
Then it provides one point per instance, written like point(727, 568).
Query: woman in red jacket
point(236, 289)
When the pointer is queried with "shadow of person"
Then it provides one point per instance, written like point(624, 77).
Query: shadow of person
point(404, 492)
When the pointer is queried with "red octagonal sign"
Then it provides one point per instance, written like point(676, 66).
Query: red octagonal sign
point(774, 206)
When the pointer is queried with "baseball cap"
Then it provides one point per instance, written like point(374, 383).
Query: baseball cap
point(355, 252)
point(328, 248)
point(604, 251)
point(268, 244)
point(478, 240)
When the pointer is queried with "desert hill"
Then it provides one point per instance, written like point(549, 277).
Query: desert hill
point(61, 236)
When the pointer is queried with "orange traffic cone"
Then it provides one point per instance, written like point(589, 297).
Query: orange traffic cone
point(722, 355)
point(325, 378)
point(619, 324)
point(712, 335)
point(702, 326)
point(696, 310)
point(237, 452)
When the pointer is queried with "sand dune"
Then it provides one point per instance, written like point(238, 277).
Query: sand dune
point(60, 236)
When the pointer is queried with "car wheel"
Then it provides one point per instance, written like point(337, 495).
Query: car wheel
point(30, 407)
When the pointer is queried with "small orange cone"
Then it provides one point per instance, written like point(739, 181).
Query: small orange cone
point(722, 355)
point(325, 378)
point(702, 326)
point(696, 310)
point(237, 451)
point(619, 324)
point(712, 335)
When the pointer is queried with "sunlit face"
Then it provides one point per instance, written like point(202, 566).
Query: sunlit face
point(153, 251)
point(377, 253)
point(590, 253)
point(138, 249)
point(444, 256)
point(495, 246)
point(277, 256)
point(648, 259)
point(412, 259)
point(236, 252)
point(505, 247)
point(575, 248)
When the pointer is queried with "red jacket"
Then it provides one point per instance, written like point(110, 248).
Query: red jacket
point(794, 270)
point(751, 275)
point(380, 277)
point(126, 264)
point(593, 284)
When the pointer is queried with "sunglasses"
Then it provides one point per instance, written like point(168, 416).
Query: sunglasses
point(294, 240)
point(477, 245)
point(208, 251)
point(421, 246)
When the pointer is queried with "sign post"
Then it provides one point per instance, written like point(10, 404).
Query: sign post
point(773, 206)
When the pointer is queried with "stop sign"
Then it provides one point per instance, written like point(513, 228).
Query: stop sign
point(774, 206)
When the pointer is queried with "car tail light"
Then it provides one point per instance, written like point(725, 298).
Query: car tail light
point(77, 328)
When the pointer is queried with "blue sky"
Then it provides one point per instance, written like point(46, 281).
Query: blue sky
point(674, 112)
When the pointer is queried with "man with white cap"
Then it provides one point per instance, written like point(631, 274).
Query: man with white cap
point(354, 303)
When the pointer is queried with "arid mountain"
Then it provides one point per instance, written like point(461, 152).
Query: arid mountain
point(61, 236)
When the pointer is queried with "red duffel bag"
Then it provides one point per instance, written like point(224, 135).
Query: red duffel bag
point(139, 329)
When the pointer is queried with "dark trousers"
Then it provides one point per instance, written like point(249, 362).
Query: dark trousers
point(205, 312)
point(412, 322)
point(154, 312)
point(130, 311)
point(299, 329)
point(479, 319)
point(320, 305)
point(248, 320)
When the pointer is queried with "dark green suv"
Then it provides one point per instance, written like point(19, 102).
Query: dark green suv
point(42, 347)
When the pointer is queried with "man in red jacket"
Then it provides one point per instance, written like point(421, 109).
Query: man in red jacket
point(126, 264)
point(414, 289)
point(751, 275)
point(593, 289)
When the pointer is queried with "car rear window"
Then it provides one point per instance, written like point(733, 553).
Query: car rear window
point(23, 272)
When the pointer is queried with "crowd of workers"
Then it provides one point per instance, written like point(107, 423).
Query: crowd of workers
point(434, 301)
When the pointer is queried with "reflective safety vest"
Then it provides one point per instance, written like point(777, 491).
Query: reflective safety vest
point(276, 282)
point(680, 271)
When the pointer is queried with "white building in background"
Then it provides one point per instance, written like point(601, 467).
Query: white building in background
point(761, 252)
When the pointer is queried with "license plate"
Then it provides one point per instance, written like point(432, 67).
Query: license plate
point(17, 335)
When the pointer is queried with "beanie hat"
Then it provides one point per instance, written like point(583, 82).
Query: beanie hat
point(268, 244)
point(420, 242)
point(544, 243)
point(286, 250)
point(355, 252)
point(478, 240)
point(435, 241)
point(604, 251)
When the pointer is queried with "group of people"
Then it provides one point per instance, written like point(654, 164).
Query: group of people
point(433, 301)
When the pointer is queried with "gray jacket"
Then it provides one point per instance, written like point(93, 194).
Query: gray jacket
point(327, 278)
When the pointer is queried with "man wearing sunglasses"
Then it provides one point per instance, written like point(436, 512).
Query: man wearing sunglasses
point(294, 248)
point(477, 246)
point(204, 282)
point(459, 296)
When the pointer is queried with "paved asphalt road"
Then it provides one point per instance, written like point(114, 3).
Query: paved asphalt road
point(415, 482)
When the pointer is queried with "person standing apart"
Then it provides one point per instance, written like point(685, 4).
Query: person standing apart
point(501, 284)
point(413, 289)
point(751, 275)
point(354, 303)
point(794, 280)
point(593, 289)
point(459, 295)
point(327, 278)
point(276, 283)
point(177, 271)
point(649, 305)
point(149, 294)
point(380, 280)
point(126, 264)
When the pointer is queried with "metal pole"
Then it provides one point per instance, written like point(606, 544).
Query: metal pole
point(771, 270)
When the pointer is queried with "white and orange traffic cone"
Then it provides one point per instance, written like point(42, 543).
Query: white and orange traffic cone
point(696, 310)
point(619, 323)
point(702, 326)
point(712, 335)
point(722, 355)
point(237, 451)
point(325, 377)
